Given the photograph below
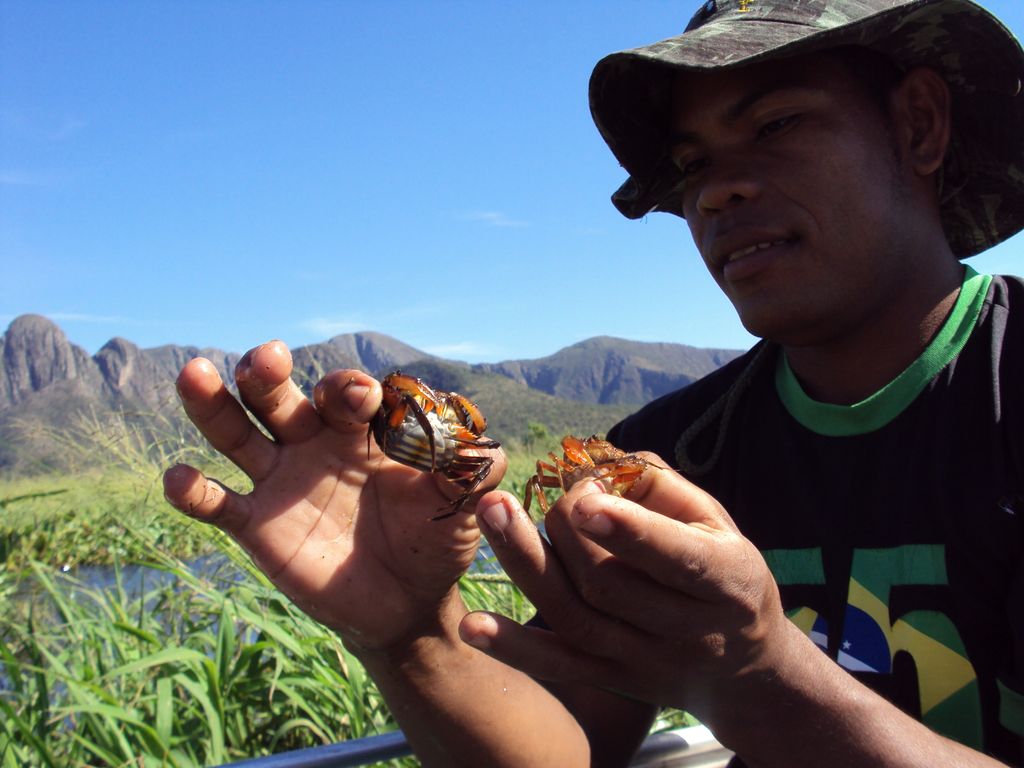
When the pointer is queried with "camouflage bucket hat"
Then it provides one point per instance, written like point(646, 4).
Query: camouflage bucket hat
point(983, 174)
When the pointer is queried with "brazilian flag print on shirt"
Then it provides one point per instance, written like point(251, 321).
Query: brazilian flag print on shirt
point(948, 699)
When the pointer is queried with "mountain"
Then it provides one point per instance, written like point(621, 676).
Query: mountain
point(607, 370)
point(36, 354)
point(36, 357)
point(48, 384)
point(375, 353)
point(51, 388)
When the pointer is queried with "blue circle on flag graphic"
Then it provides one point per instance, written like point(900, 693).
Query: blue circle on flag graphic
point(864, 648)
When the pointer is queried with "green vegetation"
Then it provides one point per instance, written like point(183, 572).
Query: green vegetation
point(200, 664)
point(107, 502)
point(194, 671)
point(182, 663)
point(92, 518)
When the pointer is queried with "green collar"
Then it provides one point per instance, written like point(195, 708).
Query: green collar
point(888, 402)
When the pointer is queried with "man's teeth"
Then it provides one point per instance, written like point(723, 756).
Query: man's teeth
point(758, 247)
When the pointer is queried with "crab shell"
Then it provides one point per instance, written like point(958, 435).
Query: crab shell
point(425, 429)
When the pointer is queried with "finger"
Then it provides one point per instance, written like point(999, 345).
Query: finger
point(347, 400)
point(199, 497)
point(578, 554)
point(667, 492)
point(222, 420)
point(703, 562)
point(608, 583)
point(532, 564)
point(263, 376)
point(539, 653)
point(621, 591)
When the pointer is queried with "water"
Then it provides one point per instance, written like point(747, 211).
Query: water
point(135, 579)
point(485, 561)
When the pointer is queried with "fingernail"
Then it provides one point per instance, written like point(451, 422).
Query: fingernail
point(587, 486)
point(598, 525)
point(495, 517)
point(480, 638)
point(243, 367)
point(355, 394)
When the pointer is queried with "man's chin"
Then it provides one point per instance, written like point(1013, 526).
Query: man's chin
point(780, 322)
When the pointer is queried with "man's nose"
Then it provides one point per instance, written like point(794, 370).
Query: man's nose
point(726, 185)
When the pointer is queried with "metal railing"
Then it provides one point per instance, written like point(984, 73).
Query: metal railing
point(693, 747)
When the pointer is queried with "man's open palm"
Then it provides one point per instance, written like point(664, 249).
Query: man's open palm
point(340, 528)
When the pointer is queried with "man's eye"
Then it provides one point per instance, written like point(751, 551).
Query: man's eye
point(774, 126)
point(688, 167)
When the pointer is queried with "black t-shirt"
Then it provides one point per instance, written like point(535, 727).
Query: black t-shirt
point(894, 527)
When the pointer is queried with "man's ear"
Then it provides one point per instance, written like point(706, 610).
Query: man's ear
point(920, 109)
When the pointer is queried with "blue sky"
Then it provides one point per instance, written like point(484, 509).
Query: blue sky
point(222, 173)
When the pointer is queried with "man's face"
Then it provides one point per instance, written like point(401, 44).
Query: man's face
point(793, 193)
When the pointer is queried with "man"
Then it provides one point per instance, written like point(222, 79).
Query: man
point(834, 161)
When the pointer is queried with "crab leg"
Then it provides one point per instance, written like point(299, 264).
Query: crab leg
point(471, 471)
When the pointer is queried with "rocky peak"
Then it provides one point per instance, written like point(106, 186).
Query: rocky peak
point(35, 354)
point(372, 352)
point(608, 370)
point(379, 352)
point(117, 361)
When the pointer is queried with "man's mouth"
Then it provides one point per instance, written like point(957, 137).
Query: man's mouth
point(739, 253)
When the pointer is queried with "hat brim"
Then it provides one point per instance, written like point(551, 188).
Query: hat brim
point(981, 60)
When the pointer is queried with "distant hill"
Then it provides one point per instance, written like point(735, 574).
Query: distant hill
point(36, 359)
point(607, 370)
point(46, 382)
point(368, 351)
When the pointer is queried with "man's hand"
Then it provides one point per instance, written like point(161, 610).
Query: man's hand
point(340, 528)
point(658, 597)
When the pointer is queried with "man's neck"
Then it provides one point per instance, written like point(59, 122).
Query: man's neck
point(852, 367)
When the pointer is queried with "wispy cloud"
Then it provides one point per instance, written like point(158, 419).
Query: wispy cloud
point(78, 317)
point(191, 134)
point(494, 219)
point(38, 128)
point(326, 327)
point(460, 349)
point(10, 178)
point(67, 129)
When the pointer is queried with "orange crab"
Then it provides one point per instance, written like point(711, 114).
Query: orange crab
point(587, 457)
point(426, 429)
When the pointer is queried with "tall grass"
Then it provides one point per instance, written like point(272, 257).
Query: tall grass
point(107, 500)
point(92, 518)
point(190, 671)
point(183, 665)
point(188, 667)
